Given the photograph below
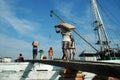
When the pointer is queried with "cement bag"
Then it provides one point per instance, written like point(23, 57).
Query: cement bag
point(35, 43)
point(65, 25)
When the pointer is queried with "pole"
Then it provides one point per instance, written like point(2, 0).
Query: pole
point(52, 13)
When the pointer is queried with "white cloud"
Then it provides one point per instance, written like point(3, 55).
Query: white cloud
point(66, 11)
point(12, 47)
point(22, 26)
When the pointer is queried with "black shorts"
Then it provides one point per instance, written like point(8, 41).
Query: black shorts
point(66, 44)
point(34, 51)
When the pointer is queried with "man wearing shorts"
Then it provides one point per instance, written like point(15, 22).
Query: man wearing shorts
point(66, 34)
point(72, 49)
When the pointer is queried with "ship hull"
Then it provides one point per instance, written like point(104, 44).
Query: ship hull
point(28, 71)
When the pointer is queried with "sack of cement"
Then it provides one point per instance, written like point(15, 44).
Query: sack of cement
point(65, 25)
point(35, 43)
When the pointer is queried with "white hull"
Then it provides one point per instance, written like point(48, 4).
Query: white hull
point(110, 61)
point(28, 71)
point(37, 71)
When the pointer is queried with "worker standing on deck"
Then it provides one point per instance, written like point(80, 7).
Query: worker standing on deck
point(66, 34)
point(41, 54)
point(50, 53)
point(35, 49)
point(72, 48)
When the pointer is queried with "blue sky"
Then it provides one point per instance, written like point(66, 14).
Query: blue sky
point(22, 21)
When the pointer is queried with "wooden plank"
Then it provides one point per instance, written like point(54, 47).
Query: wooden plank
point(100, 68)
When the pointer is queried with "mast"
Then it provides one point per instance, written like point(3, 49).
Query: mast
point(100, 28)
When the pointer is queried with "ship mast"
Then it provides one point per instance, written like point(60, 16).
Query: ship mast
point(100, 28)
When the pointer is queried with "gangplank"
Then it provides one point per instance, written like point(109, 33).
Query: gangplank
point(99, 68)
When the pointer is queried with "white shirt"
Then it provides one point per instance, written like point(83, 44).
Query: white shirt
point(65, 35)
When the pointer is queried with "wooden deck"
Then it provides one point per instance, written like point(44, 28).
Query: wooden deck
point(99, 68)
